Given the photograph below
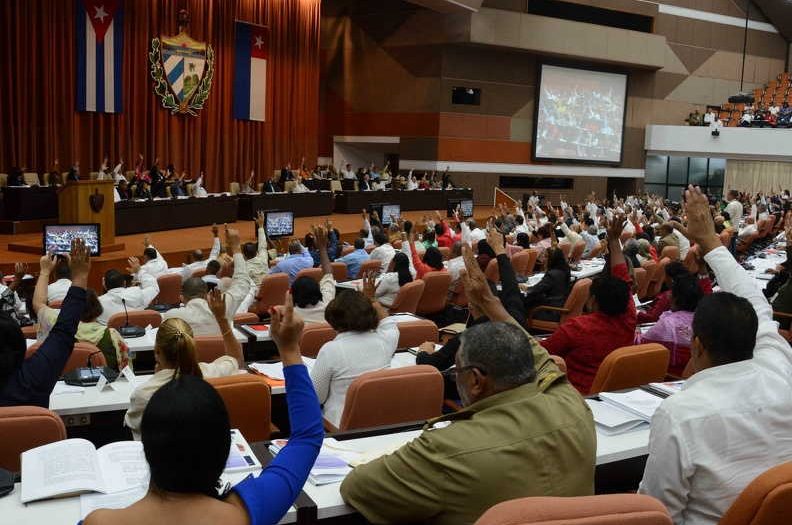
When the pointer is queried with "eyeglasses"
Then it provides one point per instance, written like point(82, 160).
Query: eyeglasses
point(453, 373)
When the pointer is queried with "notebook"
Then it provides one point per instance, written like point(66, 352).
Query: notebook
point(637, 402)
point(328, 468)
point(669, 387)
point(612, 420)
point(275, 370)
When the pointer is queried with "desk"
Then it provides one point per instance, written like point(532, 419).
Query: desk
point(22, 203)
point(170, 214)
point(302, 204)
point(354, 201)
point(146, 343)
point(773, 257)
point(318, 184)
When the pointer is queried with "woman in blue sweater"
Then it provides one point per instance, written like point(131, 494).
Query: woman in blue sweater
point(30, 381)
point(186, 438)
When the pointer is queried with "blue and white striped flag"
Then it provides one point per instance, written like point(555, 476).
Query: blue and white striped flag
point(99, 34)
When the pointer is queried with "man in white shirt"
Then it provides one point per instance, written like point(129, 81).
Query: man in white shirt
point(347, 173)
point(383, 252)
point(58, 289)
point(471, 233)
point(198, 261)
point(196, 311)
point(734, 208)
point(591, 239)
point(118, 294)
point(732, 420)
point(153, 262)
point(456, 264)
point(256, 255)
point(749, 228)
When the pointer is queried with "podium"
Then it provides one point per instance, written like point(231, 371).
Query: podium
point(89, 201)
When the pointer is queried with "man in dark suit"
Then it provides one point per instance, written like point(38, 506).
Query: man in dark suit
point(270, 187)
point(286, 173)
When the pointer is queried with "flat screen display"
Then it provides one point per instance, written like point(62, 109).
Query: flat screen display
point(279, 223)
point(580, 115)
point(390, 213)
point(58, 238)
point(465, 207)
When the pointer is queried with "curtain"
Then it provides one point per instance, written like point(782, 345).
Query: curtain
point(37, 97)
point(752, 176)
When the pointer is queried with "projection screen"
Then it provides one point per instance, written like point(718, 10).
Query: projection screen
point(580, 115)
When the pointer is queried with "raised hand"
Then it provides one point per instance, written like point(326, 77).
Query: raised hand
point(476, 286)
point(20, 269)
point(369, 285)
point(232, 240)
point(615, 227)
point(701, 227)
point(286, 329)
point(215, 230)
point(217, 303)
point(134, 265)
point(260, 219)
point(47, 263)
point(320, 237)
point(80, 263)
point(495, 240)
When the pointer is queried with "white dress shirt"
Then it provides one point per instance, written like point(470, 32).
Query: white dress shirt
point(735, 211)
point(188, 269)
point(157, 266)
point(136, 297)
point(316, 313)
point(684, 244)
point(729, 424)
point(258, 266)
point(384, 254)
point(747, 230)
point(455, 267)
point(346, 357)
point(57, 291)
point(388, 287)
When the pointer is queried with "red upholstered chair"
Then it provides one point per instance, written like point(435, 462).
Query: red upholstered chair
point(445, 252)
point(577, 252)
point(631, 366)
point(641, 281)
point(573, 307)
point(657, 278)
point(392, 396)
point(492, 272)
point(609, 509)
point(314, 336)
point(407, 299)
point(340, 272)
point(314, 273)
point(767, 500)
point(170, 289)
point(245, 318)
point(136, 318)
point(565, 248)
point(523, 262)
point(249, 404)
point(272, 292)
point(25, 427)
point(209, 347)
point(435, 295)
point(78, 358)
point(413, 333)
point(369, 266)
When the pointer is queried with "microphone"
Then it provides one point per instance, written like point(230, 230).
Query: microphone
point(89, 375)
point(128, 331)
point(126, 312)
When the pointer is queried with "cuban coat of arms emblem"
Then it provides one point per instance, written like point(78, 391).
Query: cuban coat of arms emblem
point(182, 69)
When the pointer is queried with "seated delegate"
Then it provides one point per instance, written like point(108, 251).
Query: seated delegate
point(186, 439)
point(30, 381)
point(311, 298)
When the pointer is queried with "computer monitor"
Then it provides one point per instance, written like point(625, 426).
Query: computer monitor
point(279, 223)
point(390, 212)
point(465, 207)
point(58, 238)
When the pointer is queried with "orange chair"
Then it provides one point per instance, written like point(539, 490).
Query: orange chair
point(608, 509)
point(577, 252)
point(413, 333)
point(492, 272)
point(631, 366)
point(248, 401)
point(458, 296)
point(392, 396)
point(340, 273)
point(272, 292)
point(572, 307)
point(641, 281)
point(565, 248)
point(407, 299)
point(314, 273)
point(523, 262)
point(24, 428)
point(445, 252)
point(170, 289)
point(78, 358)
point(435, 295)
point(136, 318)
point(246, 318)
point(670, 252)
point(209, 347)
point(373, 265)
point(314, 336)
point(657, 278)
point(745, 243)
point(767, 500)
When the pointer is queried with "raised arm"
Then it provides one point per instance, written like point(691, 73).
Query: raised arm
point(47, 263)
point(262, 236)
point(510, 294)
point(217, 304)
point(215, 253)
point(267, 498)
point(240, 282)
point(148, 284)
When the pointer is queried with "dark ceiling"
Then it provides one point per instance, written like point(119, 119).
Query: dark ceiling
point(779, 12)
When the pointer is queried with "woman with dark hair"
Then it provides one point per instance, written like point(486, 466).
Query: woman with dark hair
point(523, 241)
point(366, 341)
point(186, 439)
point(554, 287)
point(544, 237)
point(485, 254)
point(310, 297)
point(432, 258)
point(175, 354)
point(30, 381)
point(674, 328)
point(399, 273)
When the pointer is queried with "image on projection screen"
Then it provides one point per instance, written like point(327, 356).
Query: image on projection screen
point(580, 115)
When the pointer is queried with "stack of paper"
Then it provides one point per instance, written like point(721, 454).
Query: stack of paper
point(669, 387)
point(612, 420)
point(275, 370)
point(638, 402)
point(328, 467)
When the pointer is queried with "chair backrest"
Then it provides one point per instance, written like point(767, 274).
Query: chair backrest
point(492, 272)
point(631, 366)
point(435, 295)
point(670, 252)
point(607, 509)
point(199, 273)
point(744, 243)
point(372, 265)
point(272, 292)
point(246, 317)
point(141, 318)
point(524, 261)
point(767, 500)
point(209, 348)
point(576, 299)
point(346, 250)
point(314, 336)
point(388, 397)
point(657, 278)
point(577, 252)
point(314, 273)
point(78, 358)
point(26, 427)
point(641, 281)
point(413, 333)
point(31, 179)
point(445, 251)
point(340, 273)
point(234, 188)
point(248, 401)
point(407, 299)
point(170, 289)
point(725, 237)
point(565, 248)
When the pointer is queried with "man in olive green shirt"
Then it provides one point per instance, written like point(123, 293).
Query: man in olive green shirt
point(525, 431)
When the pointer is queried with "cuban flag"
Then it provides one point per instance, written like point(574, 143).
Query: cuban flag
point(100, 46)
point(251, 52)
